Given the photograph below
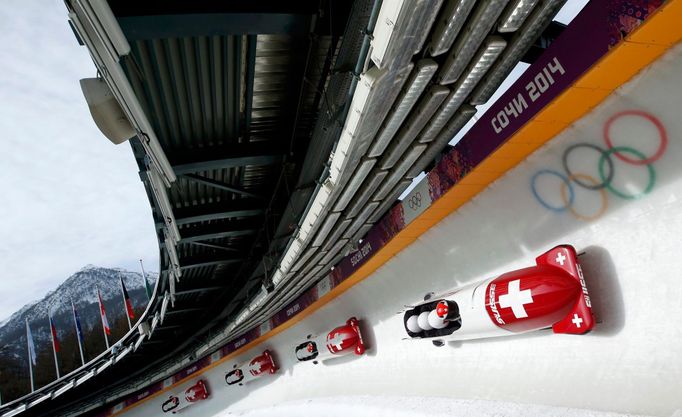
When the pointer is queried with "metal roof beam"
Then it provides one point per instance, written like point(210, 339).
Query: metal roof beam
point(195, 291)
point(171, 327)
point(205, 258)
point(214, 246)
point(238, 155)
point(229, 229)
point(212, 24)
point(216, 211)
point(221, 185)
point(202, 262)
point(182, 311)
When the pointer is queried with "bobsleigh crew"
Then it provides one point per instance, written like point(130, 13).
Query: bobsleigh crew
point(551, 294)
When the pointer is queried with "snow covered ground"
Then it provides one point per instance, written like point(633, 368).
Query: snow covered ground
point(630, 234)
point(366, 406)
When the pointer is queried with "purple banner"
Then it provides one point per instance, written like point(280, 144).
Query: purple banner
point(599, 26)
point(295, 307)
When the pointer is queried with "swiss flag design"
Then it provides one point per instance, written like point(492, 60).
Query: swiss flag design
point(341, 338)
point(531, 298)
point(261, 364)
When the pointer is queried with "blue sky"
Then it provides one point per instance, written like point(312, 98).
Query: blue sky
point(68, 196)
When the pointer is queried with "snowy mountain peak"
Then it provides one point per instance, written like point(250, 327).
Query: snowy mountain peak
point(81, 287)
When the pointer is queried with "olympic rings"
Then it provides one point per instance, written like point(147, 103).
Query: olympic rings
point(415, 201)
point(657, 123)
point(652, 173)
point(606, 169)
point(575, 177)
point(566, 182)
point(602, 193)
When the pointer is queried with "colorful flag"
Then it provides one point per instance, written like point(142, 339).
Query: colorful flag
point(126, 300)
point(77, 320)
point(146, 283)
point(79, 332)
point(31, 346)
point(103, 314)
point(53, 331)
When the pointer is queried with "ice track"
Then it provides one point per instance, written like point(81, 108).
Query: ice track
point(630, 363)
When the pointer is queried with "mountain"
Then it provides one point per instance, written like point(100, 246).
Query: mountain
point(80, 287)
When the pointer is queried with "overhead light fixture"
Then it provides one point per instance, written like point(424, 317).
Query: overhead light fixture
point(414, 87)
point(479, 66)
point(361, 172)
point(291, 254)
point(396, 32)
point(385, 96)
point(384, 29)
point(493, 47)
point(365, 193)
point(449, 24)
point(468, 42)
point(359, 109)
point(453, 126)
point(429, 19)
point(398, 171)
point(522, 40)
point(326, 227)
point(414, 124)
point(515, 14)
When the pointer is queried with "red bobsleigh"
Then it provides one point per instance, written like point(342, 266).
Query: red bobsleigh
point(248, 371)
point(551, 294)
point(196, 392)
point(341, 341)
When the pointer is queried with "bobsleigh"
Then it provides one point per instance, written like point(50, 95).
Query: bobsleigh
point(248, 371)
point(196, 392)
point(341, 341)
point(551, 294)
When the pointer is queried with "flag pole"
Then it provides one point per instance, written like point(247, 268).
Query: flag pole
point(101, 316)
point(125, 305)
point(54, 347)
point(146, 285)
point(78, 332)
point(30, 355)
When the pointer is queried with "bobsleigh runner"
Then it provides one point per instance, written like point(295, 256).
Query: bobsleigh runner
point(341, 341)
point(255, 368)
point(551, 294)
point(177, 402)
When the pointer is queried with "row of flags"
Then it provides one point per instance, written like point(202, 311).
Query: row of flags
point(130, 315)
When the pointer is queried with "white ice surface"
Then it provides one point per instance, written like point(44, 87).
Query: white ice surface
point(630, 363)
point(380, 406)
